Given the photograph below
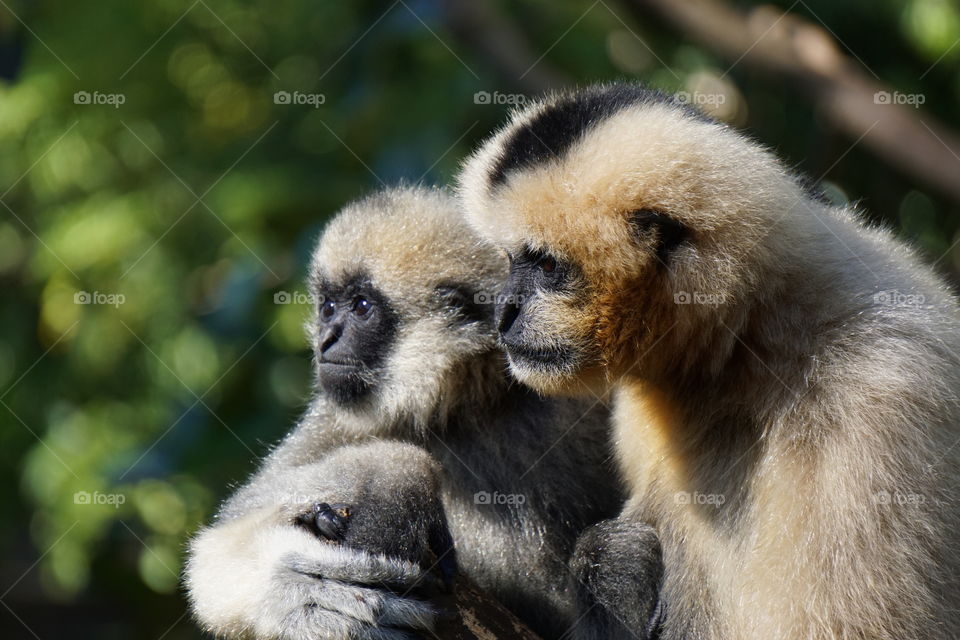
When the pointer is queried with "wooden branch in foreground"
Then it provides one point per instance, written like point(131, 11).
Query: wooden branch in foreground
point(478, 617)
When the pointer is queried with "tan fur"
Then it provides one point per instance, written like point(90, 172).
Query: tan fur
point(797, 400)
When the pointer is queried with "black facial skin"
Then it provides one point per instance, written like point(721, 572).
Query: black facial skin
point(530, 272)
point(356, 328)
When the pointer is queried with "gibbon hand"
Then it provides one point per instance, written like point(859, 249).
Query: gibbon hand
point(357, 563)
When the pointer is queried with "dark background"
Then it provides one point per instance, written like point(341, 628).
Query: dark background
point(180, 214)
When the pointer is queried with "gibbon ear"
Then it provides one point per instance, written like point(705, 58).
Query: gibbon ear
point(670, 233)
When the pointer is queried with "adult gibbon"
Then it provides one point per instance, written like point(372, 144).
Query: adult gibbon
point(330, 537)
point(786, 377)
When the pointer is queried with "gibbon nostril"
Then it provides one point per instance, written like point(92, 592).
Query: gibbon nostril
point(508, 315)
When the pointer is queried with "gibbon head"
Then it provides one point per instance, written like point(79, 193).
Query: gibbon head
point(636, 229)
point(403, 290)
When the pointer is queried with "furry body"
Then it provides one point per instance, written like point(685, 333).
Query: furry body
point(786, 378)
point(428, 433)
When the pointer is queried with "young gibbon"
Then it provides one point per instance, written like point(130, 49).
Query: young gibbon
point(329, 538)
point(786, 377)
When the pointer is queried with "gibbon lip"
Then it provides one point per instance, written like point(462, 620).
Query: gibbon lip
point(545, 356)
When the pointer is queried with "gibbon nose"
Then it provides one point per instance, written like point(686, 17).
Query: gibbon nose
point(329, 337)
point(507, 314)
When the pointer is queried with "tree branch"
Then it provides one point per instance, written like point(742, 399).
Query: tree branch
point(808, 57)
point(479, 617)
point(499, 42)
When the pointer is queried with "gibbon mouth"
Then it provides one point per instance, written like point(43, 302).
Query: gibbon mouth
point(552, 357)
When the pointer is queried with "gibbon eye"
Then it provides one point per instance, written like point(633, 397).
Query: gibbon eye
point(548, 264)
point(362, 306)
point(327, 309)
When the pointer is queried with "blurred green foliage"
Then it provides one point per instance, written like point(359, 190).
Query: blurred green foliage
point(183, 211)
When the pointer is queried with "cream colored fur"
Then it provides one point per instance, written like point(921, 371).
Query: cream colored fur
point(252, 550)
point(250, 574)
point(413, 226)
point(826, 420)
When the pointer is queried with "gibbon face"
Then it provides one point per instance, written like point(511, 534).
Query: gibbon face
point(357, 325)
point(402, 287)
point(615, 204)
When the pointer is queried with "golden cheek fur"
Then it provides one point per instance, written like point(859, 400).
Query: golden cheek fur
point(602, 323)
